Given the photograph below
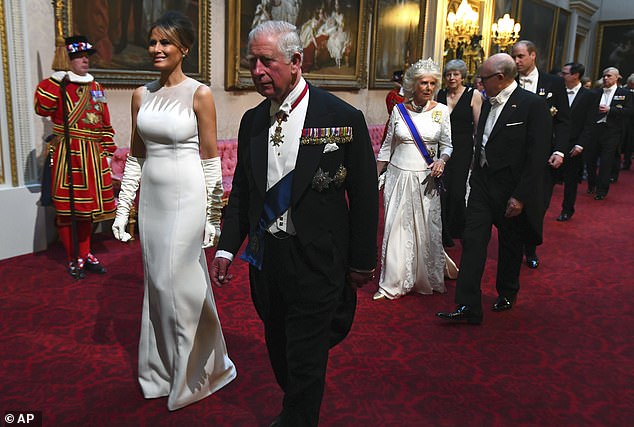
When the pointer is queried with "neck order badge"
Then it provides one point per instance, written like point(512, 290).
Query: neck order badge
point(277, 139)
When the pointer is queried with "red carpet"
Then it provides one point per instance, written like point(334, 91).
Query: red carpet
point(564, 356)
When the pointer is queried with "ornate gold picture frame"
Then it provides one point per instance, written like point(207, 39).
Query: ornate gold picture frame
point(333, 34)
point(397, 38)
point(615, 48)
point(119, 31)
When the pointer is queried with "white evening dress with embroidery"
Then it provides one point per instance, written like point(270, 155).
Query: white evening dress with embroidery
point(182, 352)
point(412, 254)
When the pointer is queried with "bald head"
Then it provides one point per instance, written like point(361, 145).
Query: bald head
point(502, 63)
point(498, 72)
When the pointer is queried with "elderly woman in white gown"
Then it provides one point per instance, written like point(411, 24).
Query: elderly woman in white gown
point(415, 150)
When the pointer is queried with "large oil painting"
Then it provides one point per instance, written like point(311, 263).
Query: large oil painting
point(333, 34)
point(119, 31)
point(397, 38)
point(615, 47)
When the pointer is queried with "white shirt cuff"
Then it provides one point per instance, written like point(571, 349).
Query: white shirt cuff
point(224, 254)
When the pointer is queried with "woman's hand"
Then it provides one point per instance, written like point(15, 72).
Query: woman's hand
point(437, 168)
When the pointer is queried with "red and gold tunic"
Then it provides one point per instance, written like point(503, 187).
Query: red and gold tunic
point(91, 142)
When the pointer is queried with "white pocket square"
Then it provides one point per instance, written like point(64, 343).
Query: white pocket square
point(330, 147)
point(515, 124)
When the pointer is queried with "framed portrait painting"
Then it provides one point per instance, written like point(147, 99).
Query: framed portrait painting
point(615, 48)
point(118, 29)
point(538, 25)
point(397, 38)
point(332, 32)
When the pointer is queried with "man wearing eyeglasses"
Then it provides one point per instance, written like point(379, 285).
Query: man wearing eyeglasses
point(552, 89)
point(512, 145)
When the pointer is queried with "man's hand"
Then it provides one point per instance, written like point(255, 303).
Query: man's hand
point(555, 161)
point(219, 268)
point(357, 279)
point(576, 150)
point(513, 208)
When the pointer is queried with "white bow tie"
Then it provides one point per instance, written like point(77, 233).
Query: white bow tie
point(495, 101)
point(525, 81)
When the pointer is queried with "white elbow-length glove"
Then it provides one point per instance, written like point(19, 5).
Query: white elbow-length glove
point(127, 194)
point(213, 182)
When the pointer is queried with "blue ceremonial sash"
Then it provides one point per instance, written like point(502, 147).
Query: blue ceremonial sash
point(419, 143)
point(412, 128)
point(276, 202)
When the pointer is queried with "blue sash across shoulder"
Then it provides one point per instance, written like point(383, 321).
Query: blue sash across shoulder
point(276, 202)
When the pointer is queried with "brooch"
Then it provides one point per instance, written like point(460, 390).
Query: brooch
point(321, 180)
point(91, 118)
point(553, 111)
point(340, 176)
point(436, 116)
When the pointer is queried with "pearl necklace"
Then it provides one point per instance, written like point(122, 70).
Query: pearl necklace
point(418, 108)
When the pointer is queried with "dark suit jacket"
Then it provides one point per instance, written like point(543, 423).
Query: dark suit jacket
point(582, 113)
point(339, 220)
point(621, 109)
point(519, 141)
point(552, 90)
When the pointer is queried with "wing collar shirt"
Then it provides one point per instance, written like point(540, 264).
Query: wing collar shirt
point(572, 93)
point(497, 104)
point(529, 82)
point(606, 99)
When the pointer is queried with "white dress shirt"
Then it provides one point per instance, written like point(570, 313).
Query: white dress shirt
point(529, 82)
point(497, 104)
point(282, 158)
point(606, 99)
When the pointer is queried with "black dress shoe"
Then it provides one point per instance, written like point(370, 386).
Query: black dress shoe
point(532, 261)
point(95, 268)
point(591, 190)
point(463, 313)
point(93, 265)
point(276, 422)
point(599, 197)
point(564, 217)
point(77, 271)
point(503, 304)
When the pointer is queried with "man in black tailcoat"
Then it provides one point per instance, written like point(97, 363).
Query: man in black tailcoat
point(614, 112)
point(512, 146)
point(551, 88)
point(583, 106)
point(305, 193)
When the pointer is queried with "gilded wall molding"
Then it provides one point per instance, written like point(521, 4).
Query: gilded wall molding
point(8, 98)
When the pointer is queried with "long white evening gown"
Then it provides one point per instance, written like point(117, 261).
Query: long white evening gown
point(412, 255)
point(182, 352)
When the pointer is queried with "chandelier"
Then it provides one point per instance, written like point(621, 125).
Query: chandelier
point(461, 25)
point(505, 32)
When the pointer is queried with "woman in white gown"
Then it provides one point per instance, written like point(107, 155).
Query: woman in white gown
point(182, 352)
point(412, 256)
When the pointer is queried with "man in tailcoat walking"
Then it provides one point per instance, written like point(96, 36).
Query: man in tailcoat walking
point(512, 146)
point(583, 106)
point(305, 192)
point(551, 88)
